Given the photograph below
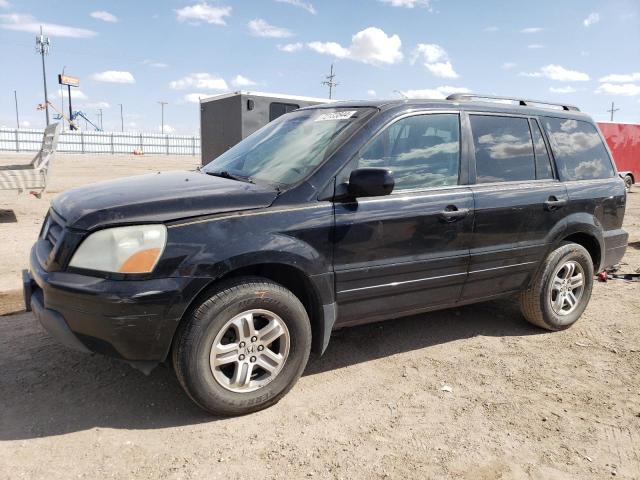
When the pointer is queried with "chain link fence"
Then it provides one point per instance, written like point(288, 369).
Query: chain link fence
point(27, 140)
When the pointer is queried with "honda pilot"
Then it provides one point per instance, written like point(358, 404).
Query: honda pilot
point(330, 216)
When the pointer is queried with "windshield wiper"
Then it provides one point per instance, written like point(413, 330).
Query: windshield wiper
point(231, 176)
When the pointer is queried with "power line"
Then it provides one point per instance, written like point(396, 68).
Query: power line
point(42, 47)
point(330, 82)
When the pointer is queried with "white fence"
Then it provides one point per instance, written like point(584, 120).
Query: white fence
point(24, 140)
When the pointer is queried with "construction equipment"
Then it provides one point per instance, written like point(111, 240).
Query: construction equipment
point(32, 177)
point(73, 124)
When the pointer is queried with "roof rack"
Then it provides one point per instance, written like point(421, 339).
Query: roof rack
point(520, 101)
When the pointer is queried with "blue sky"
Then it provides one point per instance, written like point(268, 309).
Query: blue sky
point(583, 52)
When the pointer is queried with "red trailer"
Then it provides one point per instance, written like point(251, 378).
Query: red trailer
point(624, 142)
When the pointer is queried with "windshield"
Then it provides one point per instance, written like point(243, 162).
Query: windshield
point(288, 149)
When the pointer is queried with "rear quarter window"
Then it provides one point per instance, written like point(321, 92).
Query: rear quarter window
point(578, 148)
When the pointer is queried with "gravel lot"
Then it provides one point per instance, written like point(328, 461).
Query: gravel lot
point(524, 403)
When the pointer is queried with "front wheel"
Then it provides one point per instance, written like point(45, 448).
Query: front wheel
point(628, 182)
point(561, 290)
point(242, 349)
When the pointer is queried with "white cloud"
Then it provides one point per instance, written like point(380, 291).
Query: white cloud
point(75, 94)
point(23, 123)
point(624, 78)
point(592, 19)
point(434, 93)
point(203, 13)
point(28, 23)
point(329, 48)
point(535, 46)
point(558, 73)
point(195, 97)
point(509, 65)
point(300, 4)
point(204, 81)
point(408, 3)
point(491, 29)
point(94, 105)
point(113, 76)
point(567, 89)
point(4, 4)
point(242, 81)
point(435, 59)
point(153, 63)
point(167, 128)
point(372, 93)
point(104, 16)
point(291, 47)
point(626, 89)
point(371, 45)
point(532, 30)
point(262, 28)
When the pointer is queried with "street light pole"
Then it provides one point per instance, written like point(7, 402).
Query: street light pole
point(121, 119)
point(162, 104)
point(15, 97)
point(42, 47)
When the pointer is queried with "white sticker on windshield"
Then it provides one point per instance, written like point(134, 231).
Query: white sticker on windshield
point(336, 115)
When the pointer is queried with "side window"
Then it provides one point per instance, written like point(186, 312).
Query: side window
point(422, 151)
point(543, 161)
point(277, 109)
point(504, 150)
point(578, 148)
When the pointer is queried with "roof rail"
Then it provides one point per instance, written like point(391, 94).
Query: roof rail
point(521, 101)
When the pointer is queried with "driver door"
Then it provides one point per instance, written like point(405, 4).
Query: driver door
point(408, 251)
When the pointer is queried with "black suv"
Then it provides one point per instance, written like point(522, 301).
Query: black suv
point(330, 216)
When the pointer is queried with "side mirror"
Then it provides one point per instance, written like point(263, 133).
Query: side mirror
point(370, 182)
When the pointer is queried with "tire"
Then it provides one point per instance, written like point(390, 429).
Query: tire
point(226, 389)
point(628, 182)
point(539, 304)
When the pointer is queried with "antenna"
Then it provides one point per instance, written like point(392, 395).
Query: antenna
point(42, 47)
point(330, 82)
point(613, 110)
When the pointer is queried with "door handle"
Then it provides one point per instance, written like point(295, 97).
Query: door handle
point(554, 204)
point(453, 213)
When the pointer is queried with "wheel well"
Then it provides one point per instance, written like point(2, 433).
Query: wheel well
point(289, 277)
point(590, 243)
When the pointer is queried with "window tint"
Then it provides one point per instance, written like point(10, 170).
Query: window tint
point(543, 162)
point(504, 150)
point(277, 109)
point(578, 148)
point(422, 151)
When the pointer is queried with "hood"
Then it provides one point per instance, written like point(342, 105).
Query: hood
point(157, 197)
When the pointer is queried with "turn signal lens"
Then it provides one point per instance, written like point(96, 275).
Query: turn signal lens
point(142, 261)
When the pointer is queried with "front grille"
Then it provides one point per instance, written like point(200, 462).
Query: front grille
point(51, 231)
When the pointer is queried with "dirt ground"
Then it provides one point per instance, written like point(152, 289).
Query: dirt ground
point(524, 403)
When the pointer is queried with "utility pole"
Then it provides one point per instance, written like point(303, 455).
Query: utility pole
point(15, 97)
point(121, 119)
point(100, 115)
point(162, 104)
point(613, 110)
point(42, 47)
point(62, 101)
point(329, 81)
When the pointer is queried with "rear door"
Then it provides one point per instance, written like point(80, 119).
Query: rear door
point(518, 203)
point(408, 251)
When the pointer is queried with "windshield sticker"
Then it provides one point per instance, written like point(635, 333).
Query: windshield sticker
point(336, 116)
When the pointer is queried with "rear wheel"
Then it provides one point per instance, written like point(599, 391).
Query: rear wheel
point(561, 290)
point(242, 349)
point(628, 182)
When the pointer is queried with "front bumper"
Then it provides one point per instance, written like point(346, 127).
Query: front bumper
point(133, 320)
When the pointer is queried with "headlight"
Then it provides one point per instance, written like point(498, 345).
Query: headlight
point(133, 249)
